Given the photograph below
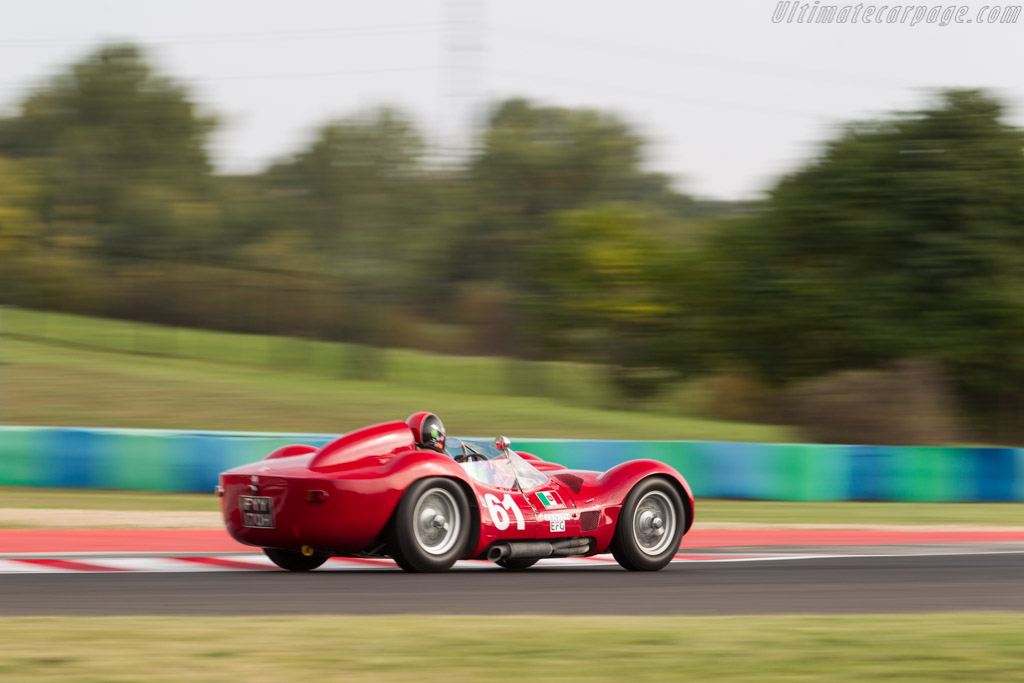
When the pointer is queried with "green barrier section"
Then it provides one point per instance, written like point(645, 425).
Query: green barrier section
point(20, 459)
point(925, 474)
point(826, 478)
point(151, 460)
point(800, 472)
point(1019, 493)
point(140, 461)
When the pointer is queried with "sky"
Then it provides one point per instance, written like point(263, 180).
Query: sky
point(727, 99)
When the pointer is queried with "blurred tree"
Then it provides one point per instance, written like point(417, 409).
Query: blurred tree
point(257, 228)
point(21, 229)
point(360, 197)
point(120, 144)
point(533, 164)
point(358, 190)
point(20, 195)
point(610, 294)
point(535, 161)
point(905, 238)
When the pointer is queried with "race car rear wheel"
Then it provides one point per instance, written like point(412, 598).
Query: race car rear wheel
point(293, 560)
point(431, 526)
point(517, 563)
point(650, 526)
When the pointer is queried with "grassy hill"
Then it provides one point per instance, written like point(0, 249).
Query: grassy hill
point(75, 371)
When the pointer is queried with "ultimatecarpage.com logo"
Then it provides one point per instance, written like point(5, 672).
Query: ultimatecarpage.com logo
point(815, 13)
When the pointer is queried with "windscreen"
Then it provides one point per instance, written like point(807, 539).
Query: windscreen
point(486, 463)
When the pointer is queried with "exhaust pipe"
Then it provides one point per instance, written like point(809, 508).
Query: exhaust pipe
point(498, 551)
point(566, 547)
point(570, 547)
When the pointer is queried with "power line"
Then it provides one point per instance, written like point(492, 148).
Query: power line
point(696, 59)
point(261, 36)
point(314, 74)
point(660, 95)
point(279, 76)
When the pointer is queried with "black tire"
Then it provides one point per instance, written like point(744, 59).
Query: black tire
point(294, 561)
point(650, 526)
point(431, 525)
point(517, 563)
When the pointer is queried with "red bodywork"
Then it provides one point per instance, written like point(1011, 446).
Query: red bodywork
point(339, 499)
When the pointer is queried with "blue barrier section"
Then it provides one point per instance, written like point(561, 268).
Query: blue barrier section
point(152, 460)
point(866, 474)
point(995, 473)
point(72, 457)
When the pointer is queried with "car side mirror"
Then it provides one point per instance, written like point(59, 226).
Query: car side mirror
point(502, 443)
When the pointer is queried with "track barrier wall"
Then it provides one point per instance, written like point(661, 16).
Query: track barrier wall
point(157, 460)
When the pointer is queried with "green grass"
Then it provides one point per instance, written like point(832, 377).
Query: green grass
point(73, 371)
point(738, 511)
point(577, 383)
point(944, 647)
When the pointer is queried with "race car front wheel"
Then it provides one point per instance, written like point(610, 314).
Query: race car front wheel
point(293, 560)
point(431, 526)
point(650, 526)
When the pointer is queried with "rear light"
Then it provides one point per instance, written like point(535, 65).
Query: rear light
point(218, 491)
point(315, 496)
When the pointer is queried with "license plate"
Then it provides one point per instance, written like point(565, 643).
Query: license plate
point(257, 511)
point(557, 525)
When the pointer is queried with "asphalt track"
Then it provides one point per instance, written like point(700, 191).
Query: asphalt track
point(847, 583)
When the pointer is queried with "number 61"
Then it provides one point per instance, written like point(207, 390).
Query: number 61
point(497, 509)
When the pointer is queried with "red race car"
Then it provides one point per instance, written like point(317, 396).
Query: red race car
point(404, 490)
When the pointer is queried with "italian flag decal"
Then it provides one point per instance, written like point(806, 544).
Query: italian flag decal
point(550, 499)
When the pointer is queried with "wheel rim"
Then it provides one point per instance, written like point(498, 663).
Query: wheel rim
point(437, 521)
point(654, 523)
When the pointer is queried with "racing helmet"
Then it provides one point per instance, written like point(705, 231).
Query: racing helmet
point(428, 431)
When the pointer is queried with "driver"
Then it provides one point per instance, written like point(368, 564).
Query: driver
point(428, 431)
